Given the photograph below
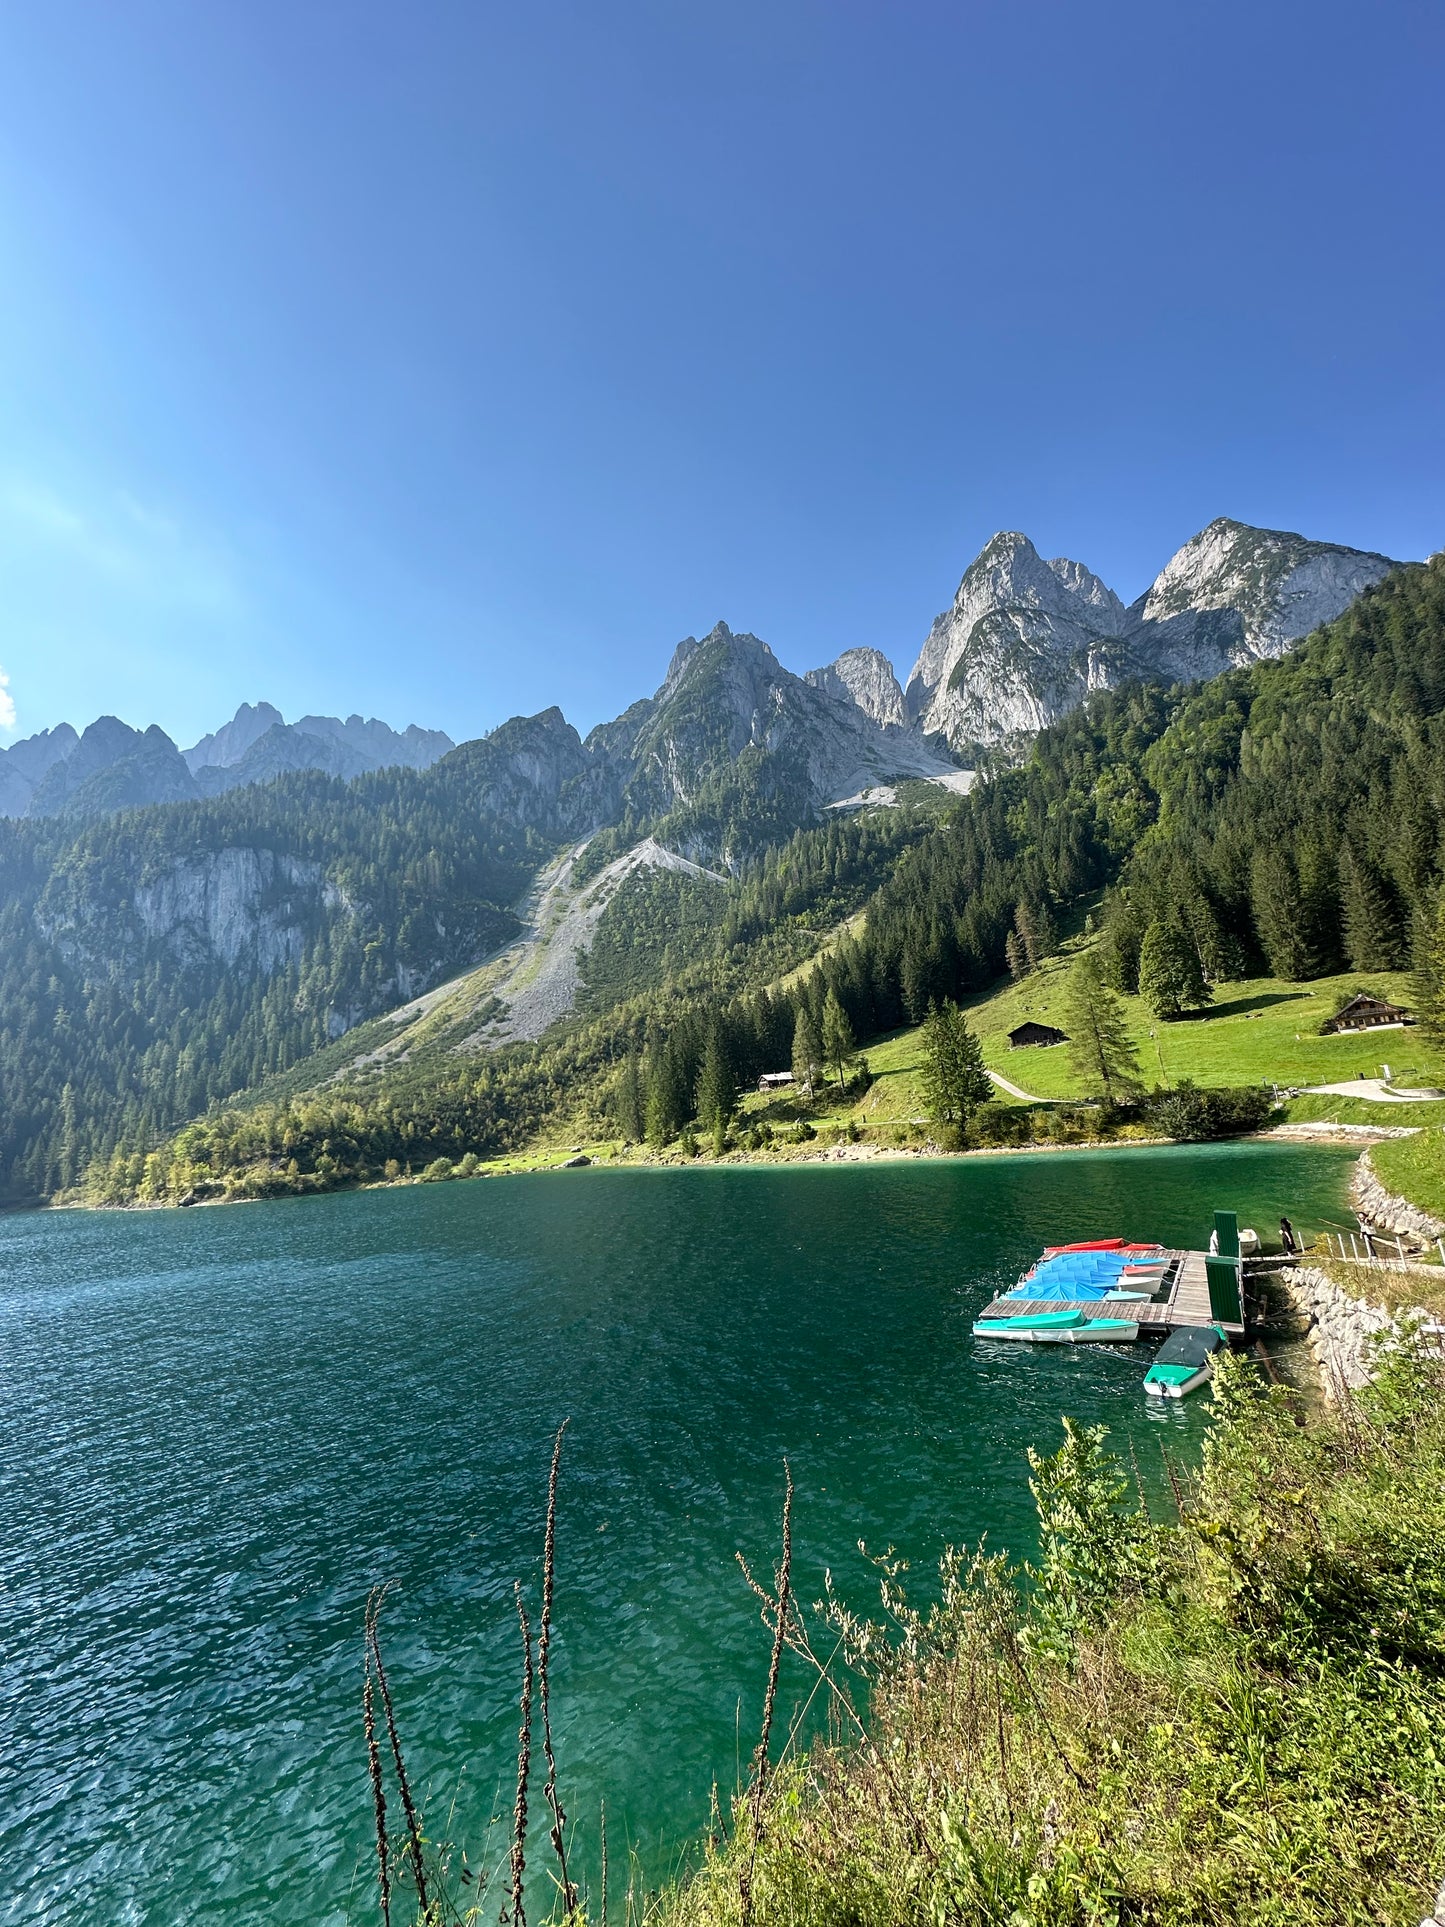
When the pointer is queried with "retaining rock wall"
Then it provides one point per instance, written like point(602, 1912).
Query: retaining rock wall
point(1381, 1207)
point(1342, 1328)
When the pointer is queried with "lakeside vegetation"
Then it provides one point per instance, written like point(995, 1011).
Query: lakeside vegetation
point(1219, 1705)
point(1232, 860)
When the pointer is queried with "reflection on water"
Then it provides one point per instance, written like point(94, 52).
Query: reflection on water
point(219, 1428)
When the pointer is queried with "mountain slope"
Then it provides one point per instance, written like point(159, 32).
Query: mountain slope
point(864, 677)
point(733, 745)
point(1234, 595)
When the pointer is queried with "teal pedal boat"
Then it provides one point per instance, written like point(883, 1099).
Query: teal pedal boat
point(1059, 1328)
point(1185, 1361)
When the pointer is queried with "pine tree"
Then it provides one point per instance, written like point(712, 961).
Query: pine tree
point(807, 1050)
point(631, 1100)
point(1101, 1054)
point(1170, 979)
point(954, 1080)
point(840, 1046)
point(1372, 940)
point(1015, 956)
point(717, 1084)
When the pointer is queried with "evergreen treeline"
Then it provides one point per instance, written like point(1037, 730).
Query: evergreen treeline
point(1299, 806)
point(1285, 817)
point(120, 1015)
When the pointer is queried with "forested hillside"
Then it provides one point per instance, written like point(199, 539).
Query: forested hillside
point(160, 959)
point(1282, 818)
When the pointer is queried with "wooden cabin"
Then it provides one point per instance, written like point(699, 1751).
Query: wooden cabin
point(1032, 1033)
point(1365, 1012)
point(775, 1081)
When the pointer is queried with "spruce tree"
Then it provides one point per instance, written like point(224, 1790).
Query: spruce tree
point(954, 1080)
point(666, 1104)
point(717, 1084)
point(1170, 979)
point(1015, 956)
point(631, 1100)
point(840, 1046)
point(807, 1050)
point(1279, 914)
point(1427, 972)
point(1370, 931)
point(1101, 1054)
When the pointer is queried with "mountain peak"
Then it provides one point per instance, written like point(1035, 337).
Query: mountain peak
point(1017, 647)
point(864, 677)
point(1234, 593)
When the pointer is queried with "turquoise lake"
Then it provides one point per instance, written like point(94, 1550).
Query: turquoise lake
point(218, 1428)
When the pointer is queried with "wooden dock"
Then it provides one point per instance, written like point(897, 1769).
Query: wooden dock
point(1182, 1299)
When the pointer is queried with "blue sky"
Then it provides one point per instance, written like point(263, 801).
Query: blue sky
point(444, 361)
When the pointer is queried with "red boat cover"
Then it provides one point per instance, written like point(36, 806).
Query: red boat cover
point(1095, 1244)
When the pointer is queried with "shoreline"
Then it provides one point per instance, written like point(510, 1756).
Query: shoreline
point(1340, 1135)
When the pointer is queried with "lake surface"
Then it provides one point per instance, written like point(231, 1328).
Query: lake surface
point(219, 1428)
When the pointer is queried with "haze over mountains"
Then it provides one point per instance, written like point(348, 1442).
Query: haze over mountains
point(112, 766)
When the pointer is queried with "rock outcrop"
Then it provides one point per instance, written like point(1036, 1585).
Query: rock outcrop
point(864, 677)
point(1345, 1332)
point(1381, 1208)
point(1026, 640)
point(1023, 643)
point(1235, 594)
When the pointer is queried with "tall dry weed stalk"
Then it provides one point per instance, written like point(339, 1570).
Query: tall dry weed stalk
point(524, 1767)
point(376, 1669)
point(544, 1647)
point(782, 1606)
point(604, 1864)
point(373, 1760)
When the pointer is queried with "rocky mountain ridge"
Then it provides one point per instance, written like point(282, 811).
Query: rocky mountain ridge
point(112, 766)
point(1026, 639)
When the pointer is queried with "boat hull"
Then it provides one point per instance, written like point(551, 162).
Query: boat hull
point(1059, 1330)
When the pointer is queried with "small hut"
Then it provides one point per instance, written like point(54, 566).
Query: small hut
point(1032, 1033)
point(775, 1081)
point(1364, 1012)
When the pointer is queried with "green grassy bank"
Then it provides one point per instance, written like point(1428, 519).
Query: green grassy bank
point(1224, 1705)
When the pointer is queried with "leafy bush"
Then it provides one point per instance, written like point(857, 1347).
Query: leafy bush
point(1187, 1113)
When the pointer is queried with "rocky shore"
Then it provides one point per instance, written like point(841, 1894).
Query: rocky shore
point(1344, 1331)
point(1381, 1208)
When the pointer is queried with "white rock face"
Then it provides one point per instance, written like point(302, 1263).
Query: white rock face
point(864, 677)
point(1023, 643)
point(238, 905)
point(728, 694)
point(1234, 594)
point(1026, 639)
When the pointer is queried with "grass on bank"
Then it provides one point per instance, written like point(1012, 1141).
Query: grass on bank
point(1414, 1168)
point(1220, 1710)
